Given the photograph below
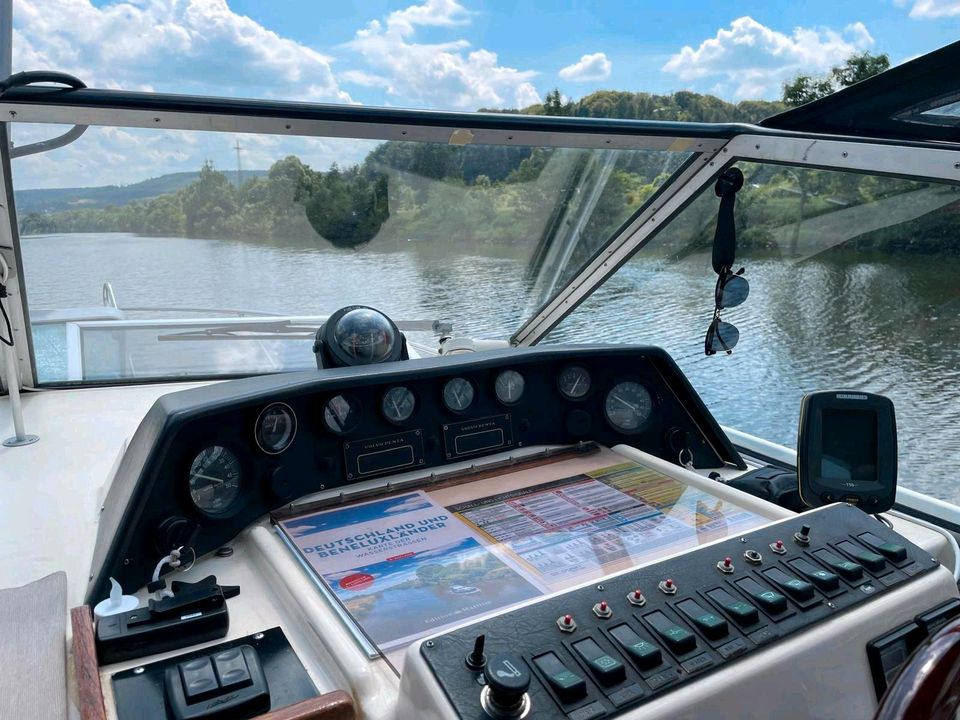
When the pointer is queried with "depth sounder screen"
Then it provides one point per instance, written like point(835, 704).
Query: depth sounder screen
point(849, 446)
point(847, 450)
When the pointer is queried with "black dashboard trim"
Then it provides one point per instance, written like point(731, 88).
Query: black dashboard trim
point(155, 441)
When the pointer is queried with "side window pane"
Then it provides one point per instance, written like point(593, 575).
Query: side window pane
point(854, 283)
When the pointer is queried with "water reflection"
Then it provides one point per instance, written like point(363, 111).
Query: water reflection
point(829, 322)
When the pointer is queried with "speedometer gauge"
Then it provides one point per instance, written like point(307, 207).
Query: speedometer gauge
point(276, 427)
point(214, 480)
point(398, 404)
point(628, 406)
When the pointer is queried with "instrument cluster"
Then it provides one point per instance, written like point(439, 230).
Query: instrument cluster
point(212, 460)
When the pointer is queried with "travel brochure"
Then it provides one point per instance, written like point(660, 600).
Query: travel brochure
point(405, 567)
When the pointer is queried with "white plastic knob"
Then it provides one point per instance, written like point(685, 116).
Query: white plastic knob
point(117, 602)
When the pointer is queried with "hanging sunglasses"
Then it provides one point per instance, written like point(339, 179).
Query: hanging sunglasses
point(732, 290)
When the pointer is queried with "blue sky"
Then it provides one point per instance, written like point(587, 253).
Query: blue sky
point(443, 54)
point(461, 55)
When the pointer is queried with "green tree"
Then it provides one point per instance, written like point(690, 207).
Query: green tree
point(553, 103)
point(807, 88)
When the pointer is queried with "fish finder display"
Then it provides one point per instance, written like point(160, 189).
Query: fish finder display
point(849, 446)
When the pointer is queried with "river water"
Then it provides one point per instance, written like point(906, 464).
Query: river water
point(879, 324)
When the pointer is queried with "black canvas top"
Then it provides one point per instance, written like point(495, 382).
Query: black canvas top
point(918, 100)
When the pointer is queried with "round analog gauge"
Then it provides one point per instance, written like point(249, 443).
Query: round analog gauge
point(628, 406)
point(276, 427)
point(215, 480)
point(458, 394)
point(509, 387)
point(398, 404)
point(341, 415)
point(574, 382)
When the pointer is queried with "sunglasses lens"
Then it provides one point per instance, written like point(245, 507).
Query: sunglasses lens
point(734, 292)
point(722, 337)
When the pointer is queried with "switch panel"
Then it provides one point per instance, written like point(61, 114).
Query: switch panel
point(620, 653)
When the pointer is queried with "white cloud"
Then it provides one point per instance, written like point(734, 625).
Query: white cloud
point(751, 60)
point(590, 67)
point(170, 45)
point(445, 74)
point(934, 8)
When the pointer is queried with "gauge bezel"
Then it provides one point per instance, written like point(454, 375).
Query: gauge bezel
point(243, 460)
point(575, 398)
point(358, 407)
point(293, 432)
point(523, 386)
point(473, 394)
point(413, 411)
point(654, 401)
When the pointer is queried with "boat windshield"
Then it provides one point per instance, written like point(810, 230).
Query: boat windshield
point(151, 254)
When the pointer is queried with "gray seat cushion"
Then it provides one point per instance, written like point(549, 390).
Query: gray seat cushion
point(33, 647)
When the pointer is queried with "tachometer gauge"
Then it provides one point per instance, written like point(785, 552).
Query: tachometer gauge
point(509, 387)
point(215, 480)
point(276, 427)
point(458, 394)
point(398, 404)
point(574, 382)
point(628, 406)
point(341, 414)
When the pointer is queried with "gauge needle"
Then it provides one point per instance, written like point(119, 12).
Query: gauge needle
point(396, 407)
point(620, 399)
point(573, 390)
point(208, 477)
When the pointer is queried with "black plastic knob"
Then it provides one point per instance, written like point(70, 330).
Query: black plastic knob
point(508, 679)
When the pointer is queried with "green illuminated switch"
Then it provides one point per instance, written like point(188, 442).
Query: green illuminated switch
point(742, 612)
point(605, 668)
point(678, 639)
point(844, 568)
point(568, 686)
point(645, 654)
point(710, 624)
point(794, 587)
point(773, 602)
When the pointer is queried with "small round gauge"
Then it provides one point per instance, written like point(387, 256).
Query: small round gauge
point(341, 414)
point(628, 406)
point(509, 387)
point(215, 480)
point(574, 382)
point(398, 404)
point(276, 427)
point(458, 394)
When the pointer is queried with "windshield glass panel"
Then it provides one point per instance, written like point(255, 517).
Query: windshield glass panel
point(853, 285)
point(153, 254)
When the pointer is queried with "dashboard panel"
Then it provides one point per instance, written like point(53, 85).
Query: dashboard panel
point(207, 462)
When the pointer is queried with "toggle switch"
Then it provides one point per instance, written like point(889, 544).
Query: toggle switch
point(891, 551)
point(568, 686)
point(771, 601)
point(678, 639)
point(817, 575)
point(605, 668)
point(644, 653)
point(846, 569)
point(742, 612)
point(709, 623)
